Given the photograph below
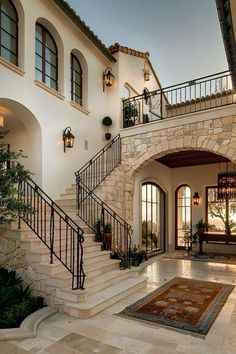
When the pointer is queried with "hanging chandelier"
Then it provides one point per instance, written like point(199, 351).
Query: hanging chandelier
point(226, 185)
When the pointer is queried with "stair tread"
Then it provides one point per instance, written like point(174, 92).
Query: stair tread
point(90, 283)
point(105, 294)
point(65, 274)
point(46, 249)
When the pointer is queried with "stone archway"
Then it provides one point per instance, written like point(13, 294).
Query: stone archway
point(213, 135)
point(24, 134)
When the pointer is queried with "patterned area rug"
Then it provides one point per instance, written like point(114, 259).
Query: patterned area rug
point(186, 304)
point(209, 257)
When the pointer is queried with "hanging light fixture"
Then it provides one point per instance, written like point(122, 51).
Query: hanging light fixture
point(146, 71)
point(146, 75)
point(196, 198)
point(226, 185)
point(68, 138)
point(108, 78)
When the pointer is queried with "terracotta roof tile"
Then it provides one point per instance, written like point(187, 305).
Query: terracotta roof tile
point(119, 48)
point(65, 7)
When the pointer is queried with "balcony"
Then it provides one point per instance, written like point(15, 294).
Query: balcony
point(188, 97)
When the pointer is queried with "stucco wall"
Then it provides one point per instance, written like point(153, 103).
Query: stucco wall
point(51, 112)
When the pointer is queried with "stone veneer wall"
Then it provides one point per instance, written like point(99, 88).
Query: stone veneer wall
point(216, 135)
point(14, 256)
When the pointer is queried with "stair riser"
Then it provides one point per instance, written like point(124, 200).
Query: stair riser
point(57, 282)
point(45, 257)
point(99, 271)
point(75, 297)
point(36, 243)
point(87, 313)
point(49, 269)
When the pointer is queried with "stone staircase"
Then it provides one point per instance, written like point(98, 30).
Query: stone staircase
point(105, 283)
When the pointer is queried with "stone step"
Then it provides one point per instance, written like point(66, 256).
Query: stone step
point(62, 279)
point(26, 229)
point(57, 266)
point(104, 298)
point(94, 285)
point(33, 242)
point(43, 254)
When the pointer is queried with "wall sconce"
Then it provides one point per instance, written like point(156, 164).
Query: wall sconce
point(146, 75)
point(1, 121)
point(196, 198)
point(68, 138)
point(108, 78)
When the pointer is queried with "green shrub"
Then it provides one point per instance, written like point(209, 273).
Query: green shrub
point(8, 297)
point(9, 278)
point(18, 312)
point(15, 301)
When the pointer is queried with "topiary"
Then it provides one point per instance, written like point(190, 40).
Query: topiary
point(107, 121)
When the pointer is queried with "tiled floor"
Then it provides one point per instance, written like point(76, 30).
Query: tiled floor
point(107, 333)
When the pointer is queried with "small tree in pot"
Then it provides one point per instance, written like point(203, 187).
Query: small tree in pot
point(200, 227)
point(107, 121)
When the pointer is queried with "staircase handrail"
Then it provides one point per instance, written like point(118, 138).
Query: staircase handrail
point(106, 207)
point(101, 165)
point(40, 204)
point(110, 215)
point(98, 154)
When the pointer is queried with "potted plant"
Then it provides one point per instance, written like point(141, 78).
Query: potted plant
point(108, 235)
point(200, 227)
point(130, 114)
point(107, 122)
point(99, 231)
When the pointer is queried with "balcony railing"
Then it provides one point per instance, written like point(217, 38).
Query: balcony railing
point(188, 97)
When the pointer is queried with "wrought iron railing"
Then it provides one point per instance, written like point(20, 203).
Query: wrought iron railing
point(188, 97)
point(101, 165)
point(105, 223)
point(92, 210)
point(56, 230)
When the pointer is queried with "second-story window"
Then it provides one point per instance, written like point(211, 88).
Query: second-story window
point(46, 61)
point(8, 31)
point(76, 80)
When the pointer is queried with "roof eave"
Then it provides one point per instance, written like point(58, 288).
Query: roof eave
point(68, 11)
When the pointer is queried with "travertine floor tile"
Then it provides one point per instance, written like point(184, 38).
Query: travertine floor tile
point(107, 333)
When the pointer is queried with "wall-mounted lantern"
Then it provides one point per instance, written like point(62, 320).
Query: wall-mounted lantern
point(108, 78)
point(146, 75)
point(68, 138)
point(196, 198)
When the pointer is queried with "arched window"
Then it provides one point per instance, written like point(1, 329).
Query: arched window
point(46, 61)
point(125, 92)
point(8, 31)
point(183, 214)
point(153, 218)
point(76, 80)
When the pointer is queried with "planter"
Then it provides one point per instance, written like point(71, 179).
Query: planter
point(108, 240)
point(108, 136)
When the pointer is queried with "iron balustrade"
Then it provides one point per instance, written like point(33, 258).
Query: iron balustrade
point(97, 215)
point(91, 209)
point(56, 230)
point(188, 97)
point(101, 165)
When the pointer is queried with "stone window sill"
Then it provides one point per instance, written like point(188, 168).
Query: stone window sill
point(49, 89)
point(12, 67)
point(80, 108)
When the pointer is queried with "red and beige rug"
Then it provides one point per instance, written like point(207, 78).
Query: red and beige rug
point(186, 304)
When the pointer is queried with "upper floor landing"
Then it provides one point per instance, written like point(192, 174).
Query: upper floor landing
point(201, 99)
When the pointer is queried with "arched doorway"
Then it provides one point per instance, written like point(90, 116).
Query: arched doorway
point(153, 219)
point(24, 133)
point(183, 208)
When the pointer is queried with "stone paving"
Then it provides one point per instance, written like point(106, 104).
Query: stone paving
point(107, 333)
